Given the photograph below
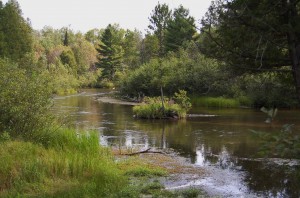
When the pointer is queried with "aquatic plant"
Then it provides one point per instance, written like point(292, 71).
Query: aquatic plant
point(219, 102)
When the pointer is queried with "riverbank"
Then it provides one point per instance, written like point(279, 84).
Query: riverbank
point(71, 164)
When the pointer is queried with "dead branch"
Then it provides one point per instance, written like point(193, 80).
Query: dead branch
point(145, 151)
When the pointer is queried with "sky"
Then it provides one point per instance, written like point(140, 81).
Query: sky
point(85, 15)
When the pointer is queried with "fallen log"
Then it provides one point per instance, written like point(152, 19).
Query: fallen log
point(145, 151)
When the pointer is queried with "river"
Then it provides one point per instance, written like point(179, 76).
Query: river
point(223, 142)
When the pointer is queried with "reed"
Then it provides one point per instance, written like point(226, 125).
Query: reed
point(219, 102)
point(155, 111)
point(74, 160)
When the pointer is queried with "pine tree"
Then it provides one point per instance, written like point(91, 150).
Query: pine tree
point(66, 38)
point(109, 54)
point(15, 32)
point(159, 20)
point(180, 29)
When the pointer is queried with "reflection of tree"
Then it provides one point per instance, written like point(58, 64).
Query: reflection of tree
point(272, 180)
point(163, 144)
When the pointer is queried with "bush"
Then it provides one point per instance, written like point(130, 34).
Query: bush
point(25, 100)
point(154, 109)
point(195, 74)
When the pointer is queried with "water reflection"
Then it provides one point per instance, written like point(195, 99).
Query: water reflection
point(224, 142)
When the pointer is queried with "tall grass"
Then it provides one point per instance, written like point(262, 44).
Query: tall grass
point(155, 111)
point(219, 102)
point(72, 165)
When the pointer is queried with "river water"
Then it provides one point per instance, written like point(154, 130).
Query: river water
point(221, 141)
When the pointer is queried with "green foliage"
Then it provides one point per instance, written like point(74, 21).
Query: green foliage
point(25, 100)
point(254, 36)
point(269, 89)
point(145, 172)
point(155, 111)
point(150, 48)
point(4, 137)
point(15, 32)
point(152, 187)
point(186, 70)
point(191, 193)
point(131, 46)
point(180, 29)
point(110, 52)
point(153, 108)
point(72, 166)
point(219, 102)
point(285, 143)
point(67, 58)
point(182, 99)
point(159, 20)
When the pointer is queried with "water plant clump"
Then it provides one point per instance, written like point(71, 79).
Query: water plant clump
point(164, 108)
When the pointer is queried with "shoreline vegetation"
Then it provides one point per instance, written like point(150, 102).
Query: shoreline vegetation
point(73, 164)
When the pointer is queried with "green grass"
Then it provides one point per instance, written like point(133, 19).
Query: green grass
point(134, 167)
point(70, 166)
point(155, 111)
point(219, 102)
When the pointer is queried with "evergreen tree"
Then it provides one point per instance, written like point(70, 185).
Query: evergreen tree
point(66, 38)
point(15, 32)
point(109, 54)
point(159, 20)
point(180, 29)
point(255, 36)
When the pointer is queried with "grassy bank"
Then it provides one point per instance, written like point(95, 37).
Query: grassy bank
point(69, 166)
point(219, 102)
point(66, 163)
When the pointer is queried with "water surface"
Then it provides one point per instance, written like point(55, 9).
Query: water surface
point(224, 143)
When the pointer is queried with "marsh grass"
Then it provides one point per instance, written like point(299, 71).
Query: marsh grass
point(155, 111)
point(74, 160)
point(219, 102)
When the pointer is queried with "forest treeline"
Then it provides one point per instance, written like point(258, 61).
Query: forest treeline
point(245, 50)
point(174, 54)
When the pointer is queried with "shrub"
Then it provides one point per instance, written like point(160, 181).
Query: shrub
point(182, 99)
point(25, 100)
point(154, 109)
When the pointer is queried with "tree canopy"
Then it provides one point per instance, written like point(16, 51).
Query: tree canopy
point(15, 32)
point(254, 35)
point(180, 29)
point(110, 53)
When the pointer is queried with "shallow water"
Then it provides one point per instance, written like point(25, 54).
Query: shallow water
point(222, 141)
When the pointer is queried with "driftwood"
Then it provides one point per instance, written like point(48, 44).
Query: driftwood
point(145, 151)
